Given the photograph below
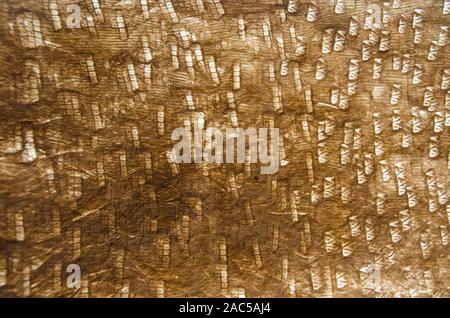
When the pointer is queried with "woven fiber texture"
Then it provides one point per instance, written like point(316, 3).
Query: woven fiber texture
point(93, 205)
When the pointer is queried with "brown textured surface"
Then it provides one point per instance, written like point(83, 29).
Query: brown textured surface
point(126, 215)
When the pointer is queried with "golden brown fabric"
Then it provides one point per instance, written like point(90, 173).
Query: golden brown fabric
point(85, 178)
